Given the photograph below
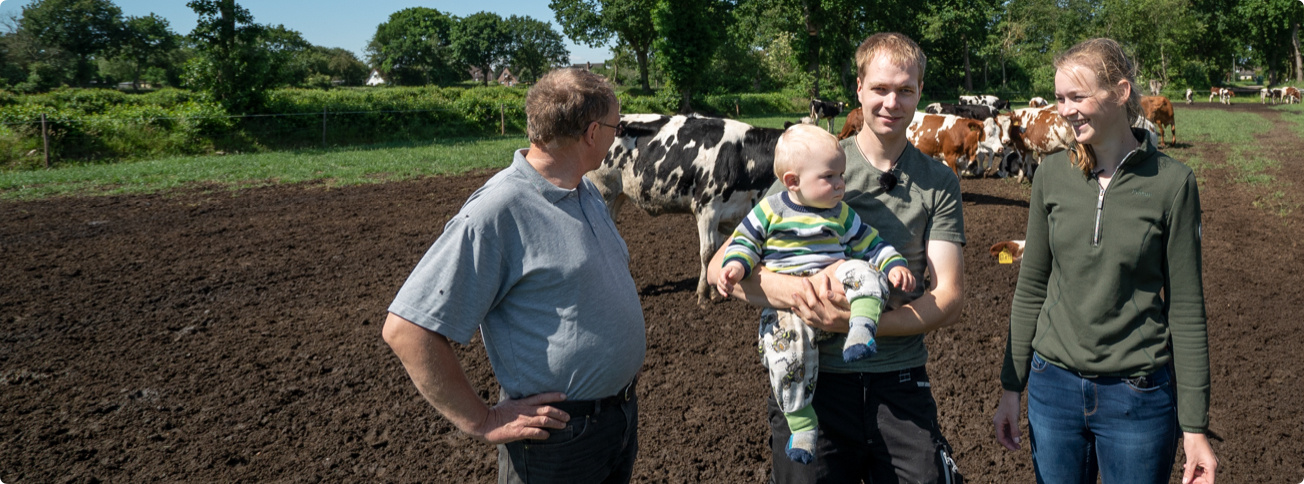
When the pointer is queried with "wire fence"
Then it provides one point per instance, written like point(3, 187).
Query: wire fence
point(99, 138)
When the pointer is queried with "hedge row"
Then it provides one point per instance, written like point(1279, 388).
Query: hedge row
point(100, 125)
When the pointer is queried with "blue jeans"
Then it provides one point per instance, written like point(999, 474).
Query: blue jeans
point(598, 446)
point(1125, 429)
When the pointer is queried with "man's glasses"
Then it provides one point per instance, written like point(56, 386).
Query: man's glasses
point(887, 181)
point(619, 127)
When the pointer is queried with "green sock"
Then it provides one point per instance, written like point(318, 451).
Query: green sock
point(868, 306)
point(802, 420)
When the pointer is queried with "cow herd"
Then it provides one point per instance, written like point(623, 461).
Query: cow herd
point(717, 169)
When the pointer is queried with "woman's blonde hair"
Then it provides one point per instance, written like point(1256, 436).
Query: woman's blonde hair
point(1104, 58)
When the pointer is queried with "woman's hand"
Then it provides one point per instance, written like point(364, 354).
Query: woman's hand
point(1201, 464)
point(1007, 420)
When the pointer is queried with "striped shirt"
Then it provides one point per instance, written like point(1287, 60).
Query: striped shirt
point(793, 239)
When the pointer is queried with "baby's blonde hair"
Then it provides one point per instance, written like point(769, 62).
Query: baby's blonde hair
point(1106, 59)
point(798, 144)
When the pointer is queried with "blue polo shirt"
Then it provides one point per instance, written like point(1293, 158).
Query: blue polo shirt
point(543, 274)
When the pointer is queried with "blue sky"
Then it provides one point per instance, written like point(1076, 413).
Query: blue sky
point(338, 23)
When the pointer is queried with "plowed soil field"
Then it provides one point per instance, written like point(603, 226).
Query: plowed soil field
point(206, 335)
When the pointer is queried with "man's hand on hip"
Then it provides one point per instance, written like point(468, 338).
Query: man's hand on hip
point(527, 418)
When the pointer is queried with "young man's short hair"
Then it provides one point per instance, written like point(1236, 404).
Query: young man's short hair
point(563, 104)
point(900, 50)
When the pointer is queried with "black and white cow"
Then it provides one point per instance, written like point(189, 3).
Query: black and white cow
point(985, 100)
point(715, 169)
point(980, 112)
point(825, 110)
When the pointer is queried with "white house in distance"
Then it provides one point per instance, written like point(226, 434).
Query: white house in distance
point(375, 79)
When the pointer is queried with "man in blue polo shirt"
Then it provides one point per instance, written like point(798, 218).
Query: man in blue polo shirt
point(533, 261)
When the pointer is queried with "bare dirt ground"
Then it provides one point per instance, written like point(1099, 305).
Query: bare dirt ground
point(210, 336)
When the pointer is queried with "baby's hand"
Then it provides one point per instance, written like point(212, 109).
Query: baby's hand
point(901, 278)
point(730, 275)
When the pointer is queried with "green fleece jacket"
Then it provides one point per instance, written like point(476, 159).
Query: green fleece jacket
point(1110, 282)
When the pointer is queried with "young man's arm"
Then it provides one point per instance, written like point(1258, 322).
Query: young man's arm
point(430, 361)
point(822, 305)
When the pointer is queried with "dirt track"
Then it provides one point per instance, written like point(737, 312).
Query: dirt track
point(206, 336)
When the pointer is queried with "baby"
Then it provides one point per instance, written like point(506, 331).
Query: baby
point(800, 231)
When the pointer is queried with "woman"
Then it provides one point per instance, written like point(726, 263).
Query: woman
point(1112, 368)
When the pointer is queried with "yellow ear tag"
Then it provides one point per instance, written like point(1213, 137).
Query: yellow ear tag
point(1005, 257)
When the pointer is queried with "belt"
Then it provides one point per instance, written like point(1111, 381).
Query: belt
point(583, 408)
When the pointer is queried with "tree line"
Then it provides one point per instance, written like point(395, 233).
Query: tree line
point(693, 47)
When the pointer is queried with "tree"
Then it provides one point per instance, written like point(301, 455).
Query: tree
point(688, 34)
point(82, 29)
point(1272, 34)
point(145, 43)
point(343, 66)
point(481, 40)
point(289, 54)
point(535, 47)
point(413, 48)
point(595, 22)
point(230, 63)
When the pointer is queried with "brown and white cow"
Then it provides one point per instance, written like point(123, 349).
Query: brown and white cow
point(855, 120)
point(953, 140)
point(1038, 102)
point(1029, 134)
point(715, 169)
point(1159, 110)
point(1223, 94)
point(1290, 95)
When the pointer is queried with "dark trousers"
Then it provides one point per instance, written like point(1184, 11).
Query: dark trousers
point(874, 427)
point(597, 446)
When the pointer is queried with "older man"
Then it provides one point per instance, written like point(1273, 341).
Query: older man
point(534, 262)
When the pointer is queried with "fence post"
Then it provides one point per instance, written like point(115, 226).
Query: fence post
point(45, 137)
point(323, 127)
point(502, 120)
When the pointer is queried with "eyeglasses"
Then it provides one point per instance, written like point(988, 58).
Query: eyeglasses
point(619, 127)
point(887, 181)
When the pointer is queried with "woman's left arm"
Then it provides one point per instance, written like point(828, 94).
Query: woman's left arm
point(1186, 314)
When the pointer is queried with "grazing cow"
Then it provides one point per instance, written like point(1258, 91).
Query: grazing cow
point(979, 112)
point(1012, 247)
point(715, 169)
point(1190, 93)
point(953, 140)
point(1276, 95)
point(1159, 110)
point(985, 100)
point(1029, 134)
point(855, 120)
point(825, 110)
point(1290, 95)
point(1224, 95)
point(1038, 102)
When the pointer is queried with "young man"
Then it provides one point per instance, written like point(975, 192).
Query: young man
point(878, 417)
point(533, 261)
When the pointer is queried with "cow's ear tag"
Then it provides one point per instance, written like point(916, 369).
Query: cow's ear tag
point(1005, 257)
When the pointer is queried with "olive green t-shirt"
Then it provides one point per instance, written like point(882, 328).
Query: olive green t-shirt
point(925, 205)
